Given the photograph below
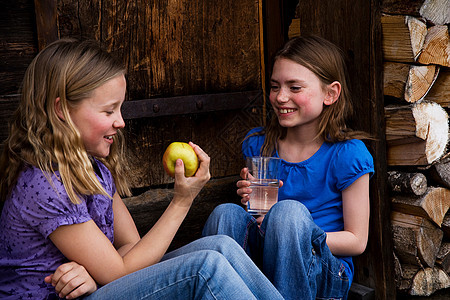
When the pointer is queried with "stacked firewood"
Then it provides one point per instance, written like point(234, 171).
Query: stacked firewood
point(416, 52)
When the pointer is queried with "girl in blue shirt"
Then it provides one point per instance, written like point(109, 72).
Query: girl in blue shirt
point(304, 244)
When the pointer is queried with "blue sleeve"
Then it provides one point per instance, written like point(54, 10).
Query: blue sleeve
point(352, 161)
point(252, 144)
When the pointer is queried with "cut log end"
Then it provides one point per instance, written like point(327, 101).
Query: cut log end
point(416, 239)
point(436, 48)
point(403, 37)
point(416, 134)
point(419, 82)
point(428, 281)
point(432, 126)
point(436, 11)
point(407, 183)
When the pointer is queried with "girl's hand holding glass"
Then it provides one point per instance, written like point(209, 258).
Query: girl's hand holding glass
point(244, 186)
point(244, 190)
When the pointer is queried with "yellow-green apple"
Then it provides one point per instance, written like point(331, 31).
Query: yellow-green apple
point(184, 151)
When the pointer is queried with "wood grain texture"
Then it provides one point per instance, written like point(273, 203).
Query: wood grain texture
point(440, 91)
point(221, 139)
point(433, 205)
point(18, 43)
point(46, 22)
point(409, 7)
point(178, 48)
point(174, 48)
point(148, 207)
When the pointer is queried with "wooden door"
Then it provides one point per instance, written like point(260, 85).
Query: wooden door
point(193, 71)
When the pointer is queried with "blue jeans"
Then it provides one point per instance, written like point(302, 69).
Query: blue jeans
point(288, 247)
point(214, 267)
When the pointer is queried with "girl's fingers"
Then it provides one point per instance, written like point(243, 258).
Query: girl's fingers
point(67, 282)
point(244, 200)
point(48, 279)
point(243, 190)
point(59, 273)
point(199, 151)
point(179, 170)
point(244, 173)
point(202, 156)
point(70, 286)
point(242, 184)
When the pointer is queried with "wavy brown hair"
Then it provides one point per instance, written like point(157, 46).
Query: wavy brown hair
point(327, 62)
point(71, 70)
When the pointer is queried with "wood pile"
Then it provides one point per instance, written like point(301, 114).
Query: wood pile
point(416, 53)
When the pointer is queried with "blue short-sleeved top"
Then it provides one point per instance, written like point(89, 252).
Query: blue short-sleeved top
point(33, 211)
point(318, 182)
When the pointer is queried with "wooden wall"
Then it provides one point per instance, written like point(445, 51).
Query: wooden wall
point(193, 70)
point(18, 46)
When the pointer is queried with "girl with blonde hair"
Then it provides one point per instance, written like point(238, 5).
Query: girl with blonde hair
point(64, 230)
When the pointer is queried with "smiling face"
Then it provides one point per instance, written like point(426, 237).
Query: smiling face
point(98, 117)
point(297, 95)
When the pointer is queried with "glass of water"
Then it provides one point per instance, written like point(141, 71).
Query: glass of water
point(264, 182)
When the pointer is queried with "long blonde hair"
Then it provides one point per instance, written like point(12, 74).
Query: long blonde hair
point(326, 61)
point(71, 70)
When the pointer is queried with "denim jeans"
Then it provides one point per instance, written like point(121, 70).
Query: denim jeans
point(214, 267)
point(289, 248)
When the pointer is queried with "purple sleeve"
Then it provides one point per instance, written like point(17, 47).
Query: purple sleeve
point(46, 205)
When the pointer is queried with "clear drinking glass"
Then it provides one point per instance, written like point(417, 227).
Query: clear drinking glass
point(264, 182)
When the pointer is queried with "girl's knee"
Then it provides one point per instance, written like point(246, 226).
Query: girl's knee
point(225, 209)
point(290, 208)
point(223, 244)
point(211, 257)
point(289, 213)
point(225, 213)
point(225, 240)
point(225, 219)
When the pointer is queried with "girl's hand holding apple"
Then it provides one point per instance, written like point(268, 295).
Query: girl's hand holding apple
point(187, 188)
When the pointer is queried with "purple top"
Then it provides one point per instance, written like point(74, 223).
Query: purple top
point(33, 211)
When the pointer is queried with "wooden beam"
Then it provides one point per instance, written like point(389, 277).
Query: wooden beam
point(190, 104)
point(46, 21)
point(159, 107)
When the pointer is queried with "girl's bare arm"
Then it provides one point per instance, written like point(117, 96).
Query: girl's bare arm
point(85, 243)
point(353, 239)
